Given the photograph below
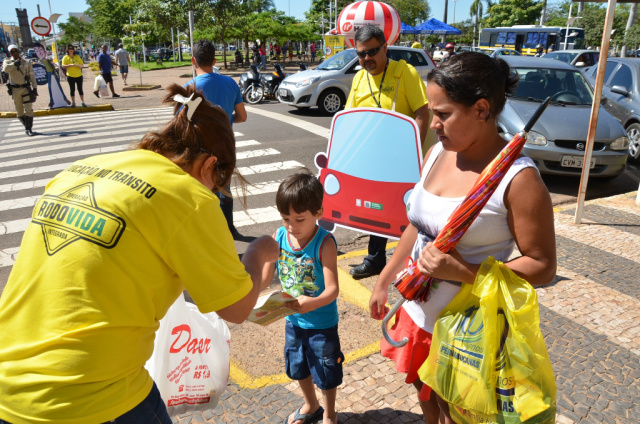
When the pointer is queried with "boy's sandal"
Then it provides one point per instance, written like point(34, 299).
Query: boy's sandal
point(306, 418)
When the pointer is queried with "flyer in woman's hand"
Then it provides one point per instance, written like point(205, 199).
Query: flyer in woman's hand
point(270, 307)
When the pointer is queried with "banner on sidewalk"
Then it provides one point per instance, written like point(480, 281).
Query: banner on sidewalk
point(333, 44)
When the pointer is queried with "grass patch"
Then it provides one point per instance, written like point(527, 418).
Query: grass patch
point(153, 64)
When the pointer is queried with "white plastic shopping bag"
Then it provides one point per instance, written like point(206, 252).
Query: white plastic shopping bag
point(191, 356)
point(98, 82)
point(101, 86)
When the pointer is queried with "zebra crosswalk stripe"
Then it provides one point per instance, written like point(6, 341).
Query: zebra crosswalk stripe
point(36, 159)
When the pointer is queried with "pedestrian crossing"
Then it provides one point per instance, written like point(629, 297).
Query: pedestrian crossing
point(28, 163)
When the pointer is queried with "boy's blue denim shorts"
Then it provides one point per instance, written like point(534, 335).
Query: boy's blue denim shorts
point(313, 352)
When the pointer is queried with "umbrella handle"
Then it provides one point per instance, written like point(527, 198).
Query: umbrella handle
point(385, 322)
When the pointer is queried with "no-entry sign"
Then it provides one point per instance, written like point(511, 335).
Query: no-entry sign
point(41, 26)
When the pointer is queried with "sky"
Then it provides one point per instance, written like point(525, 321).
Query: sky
point(458, 9)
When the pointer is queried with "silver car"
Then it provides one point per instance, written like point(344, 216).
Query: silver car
point(622, 90)
point(327, 86)
point(578, 58)
point(557, 141)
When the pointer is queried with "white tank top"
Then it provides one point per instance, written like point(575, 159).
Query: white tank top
point(488, 235)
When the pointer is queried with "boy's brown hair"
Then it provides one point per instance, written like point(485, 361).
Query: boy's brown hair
point(301, 192)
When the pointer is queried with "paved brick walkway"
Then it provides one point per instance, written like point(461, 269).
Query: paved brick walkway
point(590, 318)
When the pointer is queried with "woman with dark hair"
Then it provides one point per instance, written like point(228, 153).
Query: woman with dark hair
point(113, 242)
point(466, 93)
point(72, 63)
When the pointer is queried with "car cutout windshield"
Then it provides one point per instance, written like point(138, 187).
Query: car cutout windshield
point(361, 141)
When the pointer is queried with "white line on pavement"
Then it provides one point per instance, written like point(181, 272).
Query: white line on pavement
point(307, 126)
point(91, 141)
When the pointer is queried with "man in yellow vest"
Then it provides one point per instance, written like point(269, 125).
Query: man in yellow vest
point(22, 82)
point(382, 83)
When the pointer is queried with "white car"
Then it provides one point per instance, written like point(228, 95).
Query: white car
point(438, 55)
point(327, 86)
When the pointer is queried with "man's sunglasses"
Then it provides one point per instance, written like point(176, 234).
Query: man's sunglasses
point(371, 52)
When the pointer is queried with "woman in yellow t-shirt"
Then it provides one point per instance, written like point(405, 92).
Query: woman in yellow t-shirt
point(73, 64)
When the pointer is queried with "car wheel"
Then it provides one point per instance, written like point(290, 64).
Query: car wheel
point(633, 131)
point(331, 101)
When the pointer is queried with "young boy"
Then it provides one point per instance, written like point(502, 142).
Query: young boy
point(307, 269)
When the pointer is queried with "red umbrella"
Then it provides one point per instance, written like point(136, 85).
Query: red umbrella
point(411, 283)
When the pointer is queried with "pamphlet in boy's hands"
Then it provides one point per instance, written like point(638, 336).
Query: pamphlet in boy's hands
point(270, 307)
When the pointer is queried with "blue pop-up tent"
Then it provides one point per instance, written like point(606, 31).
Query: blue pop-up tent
point(434, 26)
point(407, 29)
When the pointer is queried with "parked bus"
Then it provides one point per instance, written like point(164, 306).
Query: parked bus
point(525, 38)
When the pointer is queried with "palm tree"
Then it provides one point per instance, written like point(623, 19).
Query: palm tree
point(476, 11)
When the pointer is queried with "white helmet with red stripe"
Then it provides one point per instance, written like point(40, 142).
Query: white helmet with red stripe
point(375, 13)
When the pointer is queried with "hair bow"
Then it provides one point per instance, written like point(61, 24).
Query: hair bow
point(191, 103)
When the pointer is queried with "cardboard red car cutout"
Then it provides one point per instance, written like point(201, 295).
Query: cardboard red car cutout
point(372, 164)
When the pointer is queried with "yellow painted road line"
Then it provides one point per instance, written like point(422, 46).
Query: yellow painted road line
point(364, 252)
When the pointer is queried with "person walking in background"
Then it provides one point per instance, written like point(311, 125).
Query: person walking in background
point(81, 307)
point(466, 94)
point(416, 45)
point(284, 52)
point(381, 83)
point(222, 91)
point(308, 270)
point(263, 57)
point(72, 63)
point(312, 49)
point(22, 83)
point(105, 62)
point(123, 60)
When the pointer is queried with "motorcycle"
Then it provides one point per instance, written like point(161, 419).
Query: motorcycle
point(271, 82)
point(251, 86)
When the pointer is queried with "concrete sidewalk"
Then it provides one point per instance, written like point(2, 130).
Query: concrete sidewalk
point(127, 99)
point(590, 318)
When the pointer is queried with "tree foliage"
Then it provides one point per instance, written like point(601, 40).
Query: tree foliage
point(514, 12)
point(75, 30)
point(411, 12)
point(109, 16)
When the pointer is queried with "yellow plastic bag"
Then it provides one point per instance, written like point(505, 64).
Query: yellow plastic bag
point(488, 358)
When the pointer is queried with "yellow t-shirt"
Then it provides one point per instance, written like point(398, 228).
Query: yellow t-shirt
point(411, 90)
point(112, 243)
point(73, 71)
point(416, 45)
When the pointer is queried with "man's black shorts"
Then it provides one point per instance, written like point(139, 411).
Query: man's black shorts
point(107, 77)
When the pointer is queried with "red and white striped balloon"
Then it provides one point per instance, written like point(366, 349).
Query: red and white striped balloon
point(375, 13)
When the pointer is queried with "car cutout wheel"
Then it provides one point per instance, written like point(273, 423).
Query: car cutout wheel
point(633, 132)
point(330, 102)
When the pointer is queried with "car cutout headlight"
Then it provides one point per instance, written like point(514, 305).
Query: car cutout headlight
point(536, 139)
point(331, 185)
point(620, 143)
point(306, 82)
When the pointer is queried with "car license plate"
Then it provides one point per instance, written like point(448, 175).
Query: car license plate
point(575, 162)
point(283, 92)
